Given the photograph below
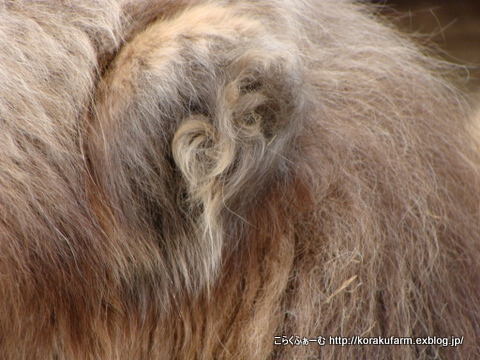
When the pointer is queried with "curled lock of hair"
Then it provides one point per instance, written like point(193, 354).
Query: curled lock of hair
point(215, 114)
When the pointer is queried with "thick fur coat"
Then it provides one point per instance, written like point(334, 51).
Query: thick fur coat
point(191, 179)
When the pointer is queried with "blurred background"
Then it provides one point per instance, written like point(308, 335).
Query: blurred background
point(452, 26)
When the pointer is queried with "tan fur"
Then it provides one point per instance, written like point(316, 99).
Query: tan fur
point(190, 179)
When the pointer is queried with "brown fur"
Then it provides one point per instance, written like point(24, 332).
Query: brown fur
point(190, 179)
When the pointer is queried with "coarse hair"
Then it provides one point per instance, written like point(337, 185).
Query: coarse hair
point(195, 179)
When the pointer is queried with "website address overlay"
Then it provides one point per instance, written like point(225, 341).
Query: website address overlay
point(295, 340)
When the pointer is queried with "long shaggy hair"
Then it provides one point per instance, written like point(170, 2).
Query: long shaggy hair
point(197, 179)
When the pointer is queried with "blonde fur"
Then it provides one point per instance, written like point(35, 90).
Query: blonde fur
point(190, 179)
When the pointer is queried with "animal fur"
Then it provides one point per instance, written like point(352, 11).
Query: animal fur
point(190, 179)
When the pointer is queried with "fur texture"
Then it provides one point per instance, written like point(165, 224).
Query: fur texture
point(190, 179)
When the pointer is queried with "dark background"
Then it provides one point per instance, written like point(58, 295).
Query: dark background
point(451, 26)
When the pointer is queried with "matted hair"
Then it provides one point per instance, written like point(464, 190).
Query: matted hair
point(197, 179)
